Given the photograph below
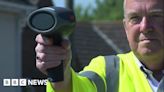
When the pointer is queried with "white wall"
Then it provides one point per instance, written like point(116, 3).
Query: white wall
point(12, 17)
point(9, 63)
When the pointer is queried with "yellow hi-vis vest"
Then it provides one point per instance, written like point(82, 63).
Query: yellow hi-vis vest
point(126, 76)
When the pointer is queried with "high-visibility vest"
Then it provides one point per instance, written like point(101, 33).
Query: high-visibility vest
point(110, 74)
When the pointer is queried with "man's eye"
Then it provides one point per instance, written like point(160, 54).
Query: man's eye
point(157, 16)
point(135, 19)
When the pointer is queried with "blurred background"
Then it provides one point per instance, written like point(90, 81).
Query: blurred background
point(99, 31)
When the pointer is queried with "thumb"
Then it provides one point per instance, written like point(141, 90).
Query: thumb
point(66, 44)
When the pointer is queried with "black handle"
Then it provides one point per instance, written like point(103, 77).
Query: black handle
point(56, 74)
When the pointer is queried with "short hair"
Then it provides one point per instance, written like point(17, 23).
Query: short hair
point(124, 7)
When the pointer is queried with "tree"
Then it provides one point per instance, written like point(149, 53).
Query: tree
point(106, 10)
point(83, 14)
point(69, 4)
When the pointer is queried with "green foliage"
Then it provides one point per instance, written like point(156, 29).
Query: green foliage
point(83, 14)
point(106, 10)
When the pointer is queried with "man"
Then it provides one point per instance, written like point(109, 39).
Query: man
point(140, 70)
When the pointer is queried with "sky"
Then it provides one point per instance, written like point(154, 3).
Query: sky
point(83, 3)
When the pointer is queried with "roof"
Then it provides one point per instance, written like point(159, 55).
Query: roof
point(39, 3)
point(87, 42)
point(18, 1)
point(115, 31)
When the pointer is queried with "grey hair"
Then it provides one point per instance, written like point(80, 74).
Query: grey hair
point(124, 6)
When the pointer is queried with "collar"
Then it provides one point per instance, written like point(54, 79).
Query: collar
point(148, 74)
point(146, 71)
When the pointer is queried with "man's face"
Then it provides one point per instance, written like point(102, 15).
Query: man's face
point(144, 26)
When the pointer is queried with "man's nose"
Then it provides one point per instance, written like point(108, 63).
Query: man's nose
point(146, 25)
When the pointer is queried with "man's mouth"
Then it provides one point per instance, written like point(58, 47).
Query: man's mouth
point(148, 39)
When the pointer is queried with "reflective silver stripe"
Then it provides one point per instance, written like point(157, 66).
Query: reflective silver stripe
point(161, 85)
point(112, 73)
point(96, 79)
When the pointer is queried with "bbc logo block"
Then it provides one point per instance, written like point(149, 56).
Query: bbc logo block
point(14, 82)
point(22, 82)
point(6, 82)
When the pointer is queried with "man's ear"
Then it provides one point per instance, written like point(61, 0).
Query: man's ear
point(125, 25)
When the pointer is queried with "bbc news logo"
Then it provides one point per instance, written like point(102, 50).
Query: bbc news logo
point(24, 82)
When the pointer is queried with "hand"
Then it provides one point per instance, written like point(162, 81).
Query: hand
point(49, 55)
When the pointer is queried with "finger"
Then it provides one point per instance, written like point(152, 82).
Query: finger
point(43, 66)
point(43, 40)
point(50, 57)
point(39, 48)
point(40, 56)
point(51, 64)
point(66, 44)
point(49, 49)
point(54, 50)
point(40, 66)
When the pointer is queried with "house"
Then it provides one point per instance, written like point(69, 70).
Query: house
point(13, 14)
point(18, 43)
point(12, 20)
point(98, 38)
